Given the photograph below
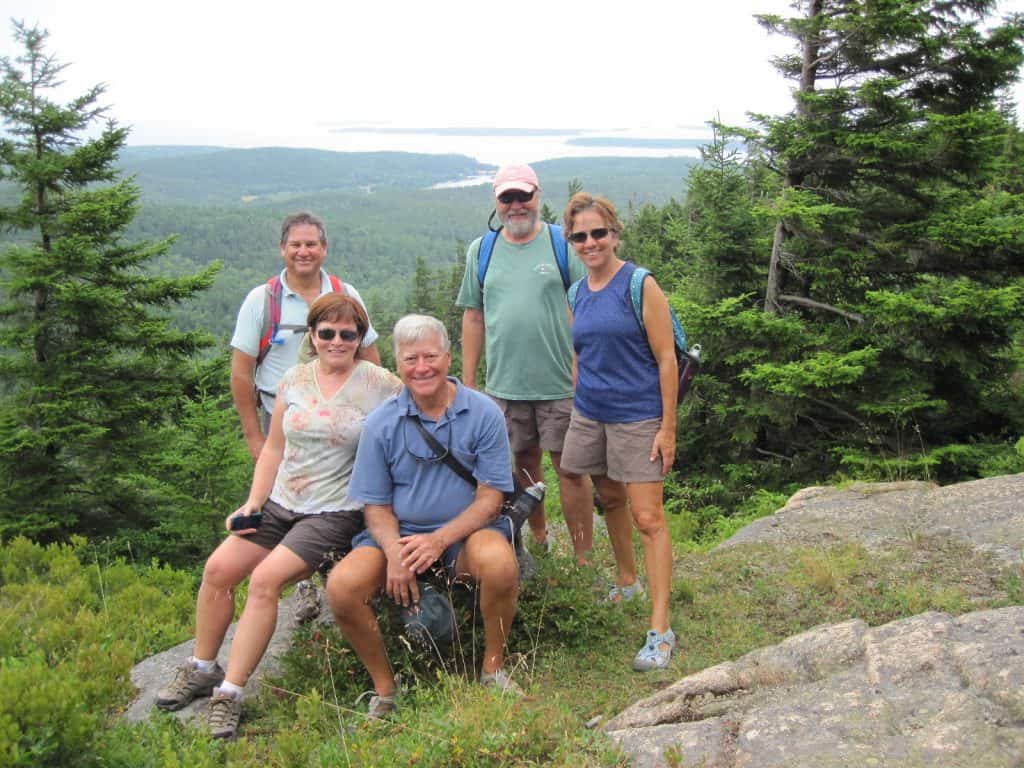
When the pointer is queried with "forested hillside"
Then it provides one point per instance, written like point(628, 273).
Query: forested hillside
point(380, 211)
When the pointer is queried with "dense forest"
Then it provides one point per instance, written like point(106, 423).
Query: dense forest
point(853, 269)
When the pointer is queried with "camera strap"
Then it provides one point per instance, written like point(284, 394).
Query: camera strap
point(456, 466)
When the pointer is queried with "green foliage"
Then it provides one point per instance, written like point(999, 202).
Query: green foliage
point(72, 630)
point(89, 365)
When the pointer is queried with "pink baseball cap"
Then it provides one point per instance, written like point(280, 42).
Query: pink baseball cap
point(515, 177)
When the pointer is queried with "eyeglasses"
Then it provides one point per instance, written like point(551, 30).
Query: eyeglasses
point(516, 195)
point(328, 334)
point(598, 234)
point(423, 451)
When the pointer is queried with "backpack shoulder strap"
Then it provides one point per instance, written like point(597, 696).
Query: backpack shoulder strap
point(561, 249)
point(571, 294)
point(271, 315)
point(636, 294)
point(336, 285)
point(483, 258)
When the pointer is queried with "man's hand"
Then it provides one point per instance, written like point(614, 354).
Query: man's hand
point(420, 551)
point(401, 585)
point(255, 444)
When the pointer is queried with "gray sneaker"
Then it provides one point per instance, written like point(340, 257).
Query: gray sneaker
point(222, 715)
point(189, 683)
point(307, 602)
point(382, 707)
point(499, 680)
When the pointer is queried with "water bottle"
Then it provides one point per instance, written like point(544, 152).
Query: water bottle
point(689, 370)
point(525, 503)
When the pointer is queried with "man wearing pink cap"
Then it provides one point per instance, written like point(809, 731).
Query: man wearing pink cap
point(519, 316)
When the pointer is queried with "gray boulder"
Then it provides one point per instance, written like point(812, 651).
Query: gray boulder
point(987, 514)
point(931, 690)
point(152, 674)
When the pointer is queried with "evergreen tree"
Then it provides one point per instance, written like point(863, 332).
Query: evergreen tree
point(90, 363)
point(895, 251)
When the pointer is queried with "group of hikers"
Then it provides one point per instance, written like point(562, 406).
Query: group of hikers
point(354, 465)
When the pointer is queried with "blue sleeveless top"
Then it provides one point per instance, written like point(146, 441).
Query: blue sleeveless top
point(617, 375)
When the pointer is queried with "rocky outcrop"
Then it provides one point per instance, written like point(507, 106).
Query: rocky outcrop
point(986, 514)
point(152, 674)
point(931, 690)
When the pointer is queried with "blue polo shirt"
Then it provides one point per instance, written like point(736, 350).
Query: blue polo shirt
point(395, 465)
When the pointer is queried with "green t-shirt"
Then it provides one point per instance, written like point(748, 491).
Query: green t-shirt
point(528, 341)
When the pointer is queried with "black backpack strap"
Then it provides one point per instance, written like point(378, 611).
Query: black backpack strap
point(456, 466)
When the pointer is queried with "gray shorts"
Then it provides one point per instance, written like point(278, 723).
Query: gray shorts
point(318, 539)
point(620, 451)
point(533, 422)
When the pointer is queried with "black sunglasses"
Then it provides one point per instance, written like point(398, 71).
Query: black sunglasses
point(327, 334)
point(598, 234)
point(515, 195)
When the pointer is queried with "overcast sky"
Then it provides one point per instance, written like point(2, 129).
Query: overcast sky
point(256, 73)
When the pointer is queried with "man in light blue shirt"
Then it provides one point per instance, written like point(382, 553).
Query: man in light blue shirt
point(419, 511)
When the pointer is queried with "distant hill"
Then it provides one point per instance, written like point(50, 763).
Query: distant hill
point(380, 210)
point(218, 175)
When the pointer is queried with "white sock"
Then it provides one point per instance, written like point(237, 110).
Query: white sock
point(232, 690)
point(203, 665)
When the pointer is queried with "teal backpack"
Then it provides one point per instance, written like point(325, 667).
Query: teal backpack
point(687, 358)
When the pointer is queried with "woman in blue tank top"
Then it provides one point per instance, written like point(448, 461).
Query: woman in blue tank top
point(623, 427)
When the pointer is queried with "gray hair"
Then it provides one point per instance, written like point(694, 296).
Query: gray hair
point(299, 219)
point(413, 328)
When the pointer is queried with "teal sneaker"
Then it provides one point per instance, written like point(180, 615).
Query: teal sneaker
point(652, 655)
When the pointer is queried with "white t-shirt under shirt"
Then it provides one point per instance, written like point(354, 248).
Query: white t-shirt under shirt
point(322, 434)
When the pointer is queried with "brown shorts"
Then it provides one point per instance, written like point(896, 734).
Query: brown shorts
point(620, 451)
point(318, 539)
point(533, 422)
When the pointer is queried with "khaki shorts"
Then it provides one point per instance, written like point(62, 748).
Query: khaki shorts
point(620, 451)
point(532, 422)
point(318, 539)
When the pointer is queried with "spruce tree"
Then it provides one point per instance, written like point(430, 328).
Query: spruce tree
point(895, 247)
point(91, 366)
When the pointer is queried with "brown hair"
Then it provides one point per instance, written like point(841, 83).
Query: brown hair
point(338, 308)
point(583, 201)
point(299, 219)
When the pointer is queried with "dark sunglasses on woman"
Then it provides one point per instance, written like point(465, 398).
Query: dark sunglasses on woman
point(598, 234)
point(328, 334)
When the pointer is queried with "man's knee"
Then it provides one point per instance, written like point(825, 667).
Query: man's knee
point(354, 581)
point(491, 560)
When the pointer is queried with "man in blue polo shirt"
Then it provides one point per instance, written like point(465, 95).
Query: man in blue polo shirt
point(420, 512)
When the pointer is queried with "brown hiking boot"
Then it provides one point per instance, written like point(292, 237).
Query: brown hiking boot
point(222, 715)
point(307, 602)
point(189, 683)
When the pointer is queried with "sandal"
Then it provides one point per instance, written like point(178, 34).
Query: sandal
point(652, 655)
point(624, 594)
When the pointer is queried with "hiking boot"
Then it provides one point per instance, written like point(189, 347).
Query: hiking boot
point(652, 655)
point(382, 707)
point(307, 602)
point(189, 683)
point(222, 715)
point(499, 680)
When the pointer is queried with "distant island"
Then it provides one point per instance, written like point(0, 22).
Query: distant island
point(636, 143)
point(480, 131)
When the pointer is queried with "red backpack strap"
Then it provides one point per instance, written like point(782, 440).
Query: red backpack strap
point(336, 285)
point(271, 315)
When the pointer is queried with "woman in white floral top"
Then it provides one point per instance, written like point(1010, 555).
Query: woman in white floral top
point(300, 491)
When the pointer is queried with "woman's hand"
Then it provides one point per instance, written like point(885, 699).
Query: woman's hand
point(664, 448)
point(420, 551)
point(246, 510)
point(401, 585)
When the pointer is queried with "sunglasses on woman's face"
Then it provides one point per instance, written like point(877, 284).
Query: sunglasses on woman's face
point(598, 234)
point(515, 196)
point(328, 334)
